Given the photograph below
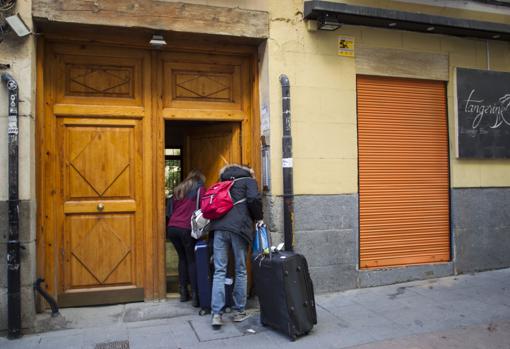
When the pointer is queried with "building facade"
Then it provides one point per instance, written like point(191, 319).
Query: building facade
point(400, 120)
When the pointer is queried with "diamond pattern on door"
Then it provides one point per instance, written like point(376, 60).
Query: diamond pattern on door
point(217, 86)
point(102, 161)
point(101, 250)
point(104, 81)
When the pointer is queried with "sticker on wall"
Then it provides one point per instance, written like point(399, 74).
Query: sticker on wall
point(287, 163)
point(264, 119)
point(346, 46)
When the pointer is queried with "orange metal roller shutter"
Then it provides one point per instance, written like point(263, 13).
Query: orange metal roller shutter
point(403, 172)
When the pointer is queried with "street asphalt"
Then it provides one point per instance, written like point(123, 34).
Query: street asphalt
point(465, 311)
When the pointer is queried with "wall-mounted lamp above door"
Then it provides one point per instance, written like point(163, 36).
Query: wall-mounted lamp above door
point(157, 41)
point(328, 22)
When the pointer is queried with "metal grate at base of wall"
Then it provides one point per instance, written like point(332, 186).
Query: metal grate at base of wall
point(113, 345)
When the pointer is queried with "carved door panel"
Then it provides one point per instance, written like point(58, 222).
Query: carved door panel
point(211, 147)
point(100, 221)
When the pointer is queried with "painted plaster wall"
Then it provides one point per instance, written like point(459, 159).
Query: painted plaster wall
point(323, 92)
point(323, 105)
point(20, 54)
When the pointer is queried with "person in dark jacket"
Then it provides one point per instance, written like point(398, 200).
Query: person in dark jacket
point(234, 229)
point(178, 231)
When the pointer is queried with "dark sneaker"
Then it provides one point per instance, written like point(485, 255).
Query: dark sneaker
point(217, 321)
point(183, 294)
point(239, 316)
point(194, 300)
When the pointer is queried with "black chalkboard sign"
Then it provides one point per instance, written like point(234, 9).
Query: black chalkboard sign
point(483, 114)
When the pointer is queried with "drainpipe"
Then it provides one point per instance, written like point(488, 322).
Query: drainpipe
point(13, 244)
point(287, 165)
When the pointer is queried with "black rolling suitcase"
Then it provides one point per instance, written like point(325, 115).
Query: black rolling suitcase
point(285, 291)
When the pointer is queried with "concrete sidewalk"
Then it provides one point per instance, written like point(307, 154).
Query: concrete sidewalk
point(469, 311)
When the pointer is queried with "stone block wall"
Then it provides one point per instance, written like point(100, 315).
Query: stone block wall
point(481, 228)
point(326, 233)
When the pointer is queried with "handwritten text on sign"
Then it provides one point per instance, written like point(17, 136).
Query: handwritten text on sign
point(483, 119)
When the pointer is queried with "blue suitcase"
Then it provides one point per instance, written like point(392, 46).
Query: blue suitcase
point(205, 272)
point(204, 279)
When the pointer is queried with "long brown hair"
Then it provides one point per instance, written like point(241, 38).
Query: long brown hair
point(185, 186)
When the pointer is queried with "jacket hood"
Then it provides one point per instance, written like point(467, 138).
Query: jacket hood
point(235, 171)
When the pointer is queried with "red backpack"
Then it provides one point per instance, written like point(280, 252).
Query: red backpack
point(217, 200)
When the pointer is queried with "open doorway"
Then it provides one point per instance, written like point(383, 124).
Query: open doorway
point(206, 146)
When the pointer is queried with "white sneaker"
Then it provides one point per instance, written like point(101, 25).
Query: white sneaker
point(217, 321)
point(239, 316)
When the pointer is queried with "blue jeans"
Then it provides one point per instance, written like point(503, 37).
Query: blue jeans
point(222, 241)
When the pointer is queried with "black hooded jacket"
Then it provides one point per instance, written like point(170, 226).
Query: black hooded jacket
point(240, 218)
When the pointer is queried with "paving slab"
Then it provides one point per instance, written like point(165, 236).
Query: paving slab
point(158, 336)
point(205, 332)
point(465, 311)
point(485, 336)
point(157, 310)
point(62, 339)
point(95, 335)
point(183, 334)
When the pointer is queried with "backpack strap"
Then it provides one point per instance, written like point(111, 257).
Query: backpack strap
point(238, 202)
point(197, 205)
point(235, 180)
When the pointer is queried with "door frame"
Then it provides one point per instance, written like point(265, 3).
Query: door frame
point(155, 280)
point(248, 118)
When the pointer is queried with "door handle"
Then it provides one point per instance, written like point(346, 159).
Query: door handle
point(100, 206)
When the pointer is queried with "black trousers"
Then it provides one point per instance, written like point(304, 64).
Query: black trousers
point(185, 246)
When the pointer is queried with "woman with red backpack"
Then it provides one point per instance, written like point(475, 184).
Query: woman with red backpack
point(178, 231)
point(234, 229)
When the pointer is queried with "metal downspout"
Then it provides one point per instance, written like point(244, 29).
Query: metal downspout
point(13, 244)
point(287, 165)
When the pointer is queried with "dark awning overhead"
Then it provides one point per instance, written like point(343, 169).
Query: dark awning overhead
point(420, 22)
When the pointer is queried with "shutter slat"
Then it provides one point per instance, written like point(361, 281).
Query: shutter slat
point(403, 172)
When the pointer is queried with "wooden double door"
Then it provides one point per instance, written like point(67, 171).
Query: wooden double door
point(100, 182)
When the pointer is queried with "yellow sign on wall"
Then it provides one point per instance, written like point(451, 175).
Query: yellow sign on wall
point(346, 46)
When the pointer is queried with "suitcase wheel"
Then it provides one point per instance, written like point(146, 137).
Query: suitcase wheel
point(203, 312)
point(293, 338)
point(227, 310)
